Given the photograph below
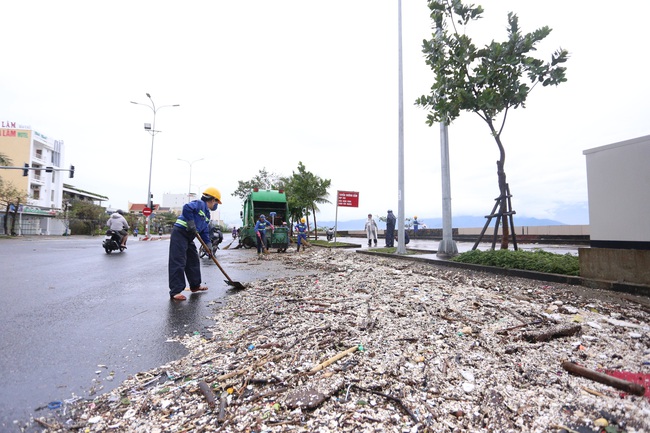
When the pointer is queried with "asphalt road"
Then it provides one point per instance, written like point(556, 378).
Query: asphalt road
point(72, 315)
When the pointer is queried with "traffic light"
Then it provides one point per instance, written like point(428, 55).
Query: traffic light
point(26, 170)
point(49, 169)
point(151, 202)
point(71, 171)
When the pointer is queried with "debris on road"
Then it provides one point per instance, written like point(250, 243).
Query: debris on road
point(365, 344)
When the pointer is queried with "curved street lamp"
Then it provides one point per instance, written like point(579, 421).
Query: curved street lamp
point(151, 129)
point(189, 189)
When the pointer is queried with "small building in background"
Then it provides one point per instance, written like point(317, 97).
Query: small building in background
point(618, 182)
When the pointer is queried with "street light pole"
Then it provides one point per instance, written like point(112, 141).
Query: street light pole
point(152, 130)
point(189, 189)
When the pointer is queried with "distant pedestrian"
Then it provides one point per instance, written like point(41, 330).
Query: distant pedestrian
point(390, 229)
point(416, 225)
point(371, 230)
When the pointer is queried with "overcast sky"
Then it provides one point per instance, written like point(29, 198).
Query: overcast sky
point(271, 83)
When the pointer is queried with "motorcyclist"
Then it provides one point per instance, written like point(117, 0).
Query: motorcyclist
point(118, 224)
point(234, 232)
point(216, 236)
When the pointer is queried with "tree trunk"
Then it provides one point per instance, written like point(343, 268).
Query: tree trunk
point(13, 219)
point(315, 225)
point(503, 188)
point(6, 221)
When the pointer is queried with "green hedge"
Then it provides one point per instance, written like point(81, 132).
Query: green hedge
point(538, 260)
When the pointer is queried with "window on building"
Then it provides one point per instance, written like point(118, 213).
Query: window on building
point(36, 194)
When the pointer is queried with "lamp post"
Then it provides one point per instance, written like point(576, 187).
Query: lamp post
point(189, 189)
point(152, 130)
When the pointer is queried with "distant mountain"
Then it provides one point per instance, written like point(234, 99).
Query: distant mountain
point(436, 223)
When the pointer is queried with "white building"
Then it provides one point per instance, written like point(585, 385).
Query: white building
point(43, 183)
point(619, 207)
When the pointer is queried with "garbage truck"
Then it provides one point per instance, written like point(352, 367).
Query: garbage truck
point(272, 204)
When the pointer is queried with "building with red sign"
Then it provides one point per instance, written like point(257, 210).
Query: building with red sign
point(43, 184)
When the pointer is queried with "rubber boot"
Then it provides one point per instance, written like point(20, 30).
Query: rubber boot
point(369, 243)
point(375, 243)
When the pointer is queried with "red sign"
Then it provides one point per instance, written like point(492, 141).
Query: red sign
point(146, 211)
point(348, 198)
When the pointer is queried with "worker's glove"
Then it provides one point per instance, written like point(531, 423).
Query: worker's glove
point(191, 227)
point(259, 235)
point(209, 251)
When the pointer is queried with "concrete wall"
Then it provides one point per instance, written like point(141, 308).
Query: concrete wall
point(614, 264)
point(618, 182)
point(568, 230)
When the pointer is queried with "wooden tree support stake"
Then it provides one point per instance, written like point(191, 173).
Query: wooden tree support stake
point(623, 385)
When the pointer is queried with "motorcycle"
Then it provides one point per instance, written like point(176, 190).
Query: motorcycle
point(216, 237)
point(234, 233)
point(330, 234)
point(112, 242)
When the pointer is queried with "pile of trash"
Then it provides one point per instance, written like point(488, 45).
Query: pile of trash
point(364, 343)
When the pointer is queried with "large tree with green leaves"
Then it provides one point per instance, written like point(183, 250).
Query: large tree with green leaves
point(262, 180)
point(488, 81)
point(305, 191)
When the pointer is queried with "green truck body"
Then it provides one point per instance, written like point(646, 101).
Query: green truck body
point(272, 204)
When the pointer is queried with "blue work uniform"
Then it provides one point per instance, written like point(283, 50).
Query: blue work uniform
point(183, 255)
point(301, 228)
point(260, 228)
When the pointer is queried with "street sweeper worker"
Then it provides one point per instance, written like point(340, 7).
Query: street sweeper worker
point(183, 255)
point(301, 228)
point(260, 233)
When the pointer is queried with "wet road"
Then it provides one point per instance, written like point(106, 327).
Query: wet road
point(72, 315)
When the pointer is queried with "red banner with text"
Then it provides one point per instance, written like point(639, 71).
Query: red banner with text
point(348, 198)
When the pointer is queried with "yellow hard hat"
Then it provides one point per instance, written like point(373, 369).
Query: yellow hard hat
point(415, 217)
point(214, 193)
point(302, 220)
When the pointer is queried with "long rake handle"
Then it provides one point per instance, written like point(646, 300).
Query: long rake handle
point(214, 259)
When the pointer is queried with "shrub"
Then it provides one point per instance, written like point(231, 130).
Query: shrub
point(538, 260)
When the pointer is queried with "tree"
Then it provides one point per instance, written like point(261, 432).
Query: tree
point(86, 217)
point(305, 191)
point(11, 198)
point(262, 180)
point(488, 81)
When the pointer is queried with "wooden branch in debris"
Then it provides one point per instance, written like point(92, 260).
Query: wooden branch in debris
point(333, 359)
point(549, 334)
point(223, 401)
point(44, 424)
point(207, 393)
point(247, 369)
point(505, 331)
point(390, 397)
point(623, 385)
